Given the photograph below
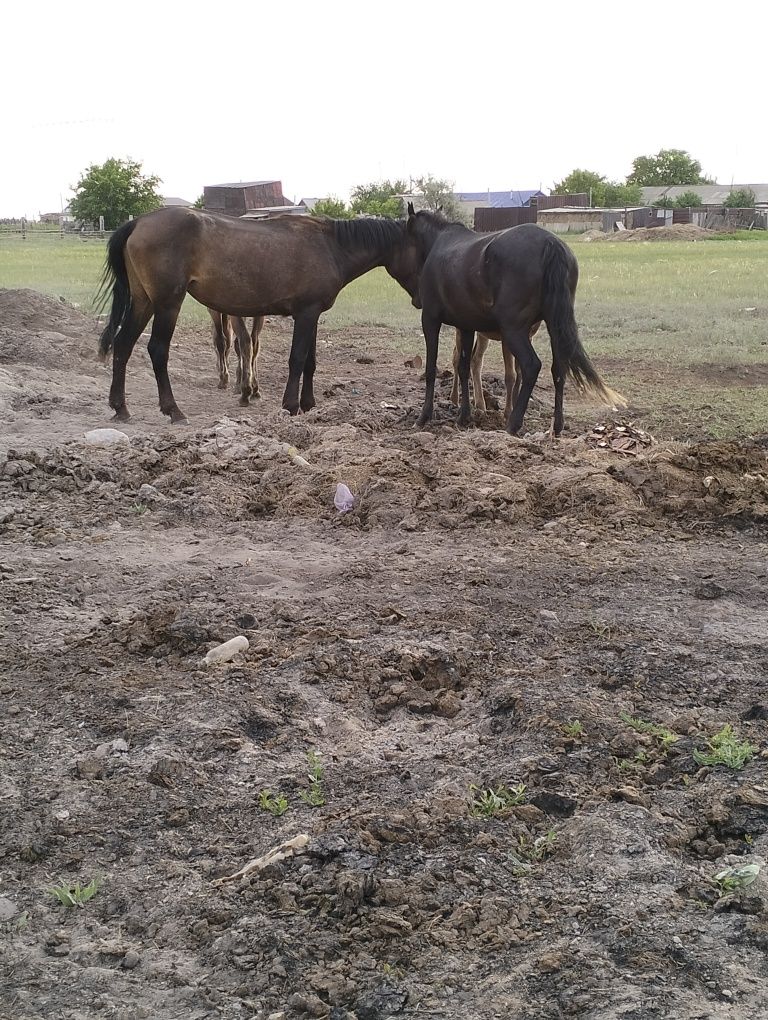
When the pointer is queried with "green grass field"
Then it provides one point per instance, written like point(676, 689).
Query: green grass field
point(680, 327)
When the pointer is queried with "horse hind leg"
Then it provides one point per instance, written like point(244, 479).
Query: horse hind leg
point(159, 345)
point(455, 361)
point(518, 345)
point(512, 380)
point(245, 359)
point(256, 328)
point(122, 348)
point(222, 343)
point(476, 370)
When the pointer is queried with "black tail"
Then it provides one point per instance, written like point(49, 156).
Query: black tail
point(561, 323)
point(115, 274)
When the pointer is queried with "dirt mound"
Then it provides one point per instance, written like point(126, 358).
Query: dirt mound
point(30, 310)
point(678, 232)
point(237, 472)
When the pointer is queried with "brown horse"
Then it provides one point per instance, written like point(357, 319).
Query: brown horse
point(289, 265)
point(501, 283)
point(512, 378)
point(225, 328)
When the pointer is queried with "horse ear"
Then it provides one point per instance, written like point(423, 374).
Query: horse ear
point(411, 210)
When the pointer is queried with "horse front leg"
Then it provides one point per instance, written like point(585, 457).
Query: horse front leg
point(308, 387)
point(304, 328)
point(431, 327)
point(467, 342)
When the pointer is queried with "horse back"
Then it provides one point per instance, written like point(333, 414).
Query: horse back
point(270, 266)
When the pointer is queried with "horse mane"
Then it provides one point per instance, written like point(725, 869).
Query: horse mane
point(370, 232)
point(438, 220)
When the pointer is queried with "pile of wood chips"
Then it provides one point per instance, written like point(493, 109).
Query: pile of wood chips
point(621, 437)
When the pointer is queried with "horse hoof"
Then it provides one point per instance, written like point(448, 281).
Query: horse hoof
point(244, 401)
point(121, 416)
point(223, 383)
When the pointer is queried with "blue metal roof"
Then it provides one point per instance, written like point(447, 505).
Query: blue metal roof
point(499, 199)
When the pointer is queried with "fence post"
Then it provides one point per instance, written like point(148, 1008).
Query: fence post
point(23, 228)
point(101, 225)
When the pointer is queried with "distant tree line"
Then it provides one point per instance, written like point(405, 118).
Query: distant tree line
point(119, 190)
point(669, 167)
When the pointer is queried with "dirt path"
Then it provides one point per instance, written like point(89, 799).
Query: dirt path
point(481, 620)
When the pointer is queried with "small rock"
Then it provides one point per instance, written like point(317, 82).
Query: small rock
point(131, 960)
point(709, 590)
point(227, 651)
point(106, 437)
point(149, 494)
point(8, 909)
point(308, 1005)
point(247, 621)
point(555, 804)
point(91, 768)
point(16, 468)
point(631, 796)
point(548, 616)
point(550, 962)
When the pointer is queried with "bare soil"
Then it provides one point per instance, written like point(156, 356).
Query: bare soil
point(481, 619)
point(677, 232)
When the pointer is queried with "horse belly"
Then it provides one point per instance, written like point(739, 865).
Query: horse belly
point(243, 293)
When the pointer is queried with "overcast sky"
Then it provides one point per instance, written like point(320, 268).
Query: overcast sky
point(324, 96)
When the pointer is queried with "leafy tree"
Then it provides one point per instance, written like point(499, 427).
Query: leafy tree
point(603, 192)
point(115, 190)
point(668, 166)
point(665, 202)
point(616, 195)
point(199, 202)
point(688, 200)
point(581, 182)
point(332, 207)
point(380, 198)
point(742, 198)
point(438, 194)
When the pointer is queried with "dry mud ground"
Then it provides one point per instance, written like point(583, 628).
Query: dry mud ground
point(484, 594)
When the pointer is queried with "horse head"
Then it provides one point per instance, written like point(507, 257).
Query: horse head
point(424, 227)
point(404, 264)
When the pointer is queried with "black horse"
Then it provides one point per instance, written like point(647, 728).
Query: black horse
point(503, 283)
point(289, 265)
